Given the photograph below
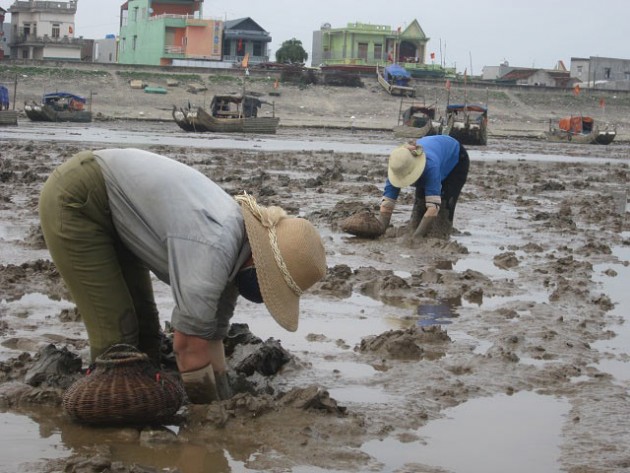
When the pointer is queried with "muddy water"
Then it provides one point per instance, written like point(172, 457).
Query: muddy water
point(535, 366)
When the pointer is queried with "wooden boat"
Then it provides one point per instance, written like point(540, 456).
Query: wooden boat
point(59, 107)
point(418, 121)
point(467, 123)
point(581, 130)
point(228, 114)
point(7, 116)
point(395, 79)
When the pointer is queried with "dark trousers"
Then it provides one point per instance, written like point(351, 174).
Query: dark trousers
point(451, 188)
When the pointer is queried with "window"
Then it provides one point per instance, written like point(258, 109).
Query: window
point(579, 71)
point(607, 72)
point(227, 46)
point(378, 51)
point(134, 42)
point(258, 49)
point(26, 29)
point(363, 49)
point(56, 30)
point(123, 42)
point(134, 14)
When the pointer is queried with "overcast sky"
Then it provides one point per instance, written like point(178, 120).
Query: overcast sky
point(464, 34)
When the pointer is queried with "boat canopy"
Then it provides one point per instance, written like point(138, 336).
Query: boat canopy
point(576, 124)
point(397, 75)
point(468, 107)
point(54, 96)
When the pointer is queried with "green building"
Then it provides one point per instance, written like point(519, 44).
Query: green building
point(165, 32)
point(366, 45)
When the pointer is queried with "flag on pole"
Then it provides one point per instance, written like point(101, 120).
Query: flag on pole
point(465, 75)
point(432, 56)
point(276, 84)
point(602, 103)
point(447, 86)
point(245, 60)
point(576, 90)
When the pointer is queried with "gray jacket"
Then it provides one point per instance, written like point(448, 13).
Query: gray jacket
point(187, 230)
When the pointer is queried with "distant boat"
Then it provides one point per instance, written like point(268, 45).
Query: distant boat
point(7, 116)
point(58, 107)
point(396, 80)
point(227, 114)
point(418, 121)
point(581, 130)
point(467, 123)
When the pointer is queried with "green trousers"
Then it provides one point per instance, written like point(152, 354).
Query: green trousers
point(110, 286)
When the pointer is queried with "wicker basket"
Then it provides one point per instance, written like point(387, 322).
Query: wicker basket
point(362, 224)
point(123, 387)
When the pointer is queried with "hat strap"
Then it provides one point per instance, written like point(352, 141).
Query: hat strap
point(270, 220)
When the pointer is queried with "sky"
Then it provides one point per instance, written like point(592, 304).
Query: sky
point(464, 34)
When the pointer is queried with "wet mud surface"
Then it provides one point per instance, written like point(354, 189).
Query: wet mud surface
point(512, 310)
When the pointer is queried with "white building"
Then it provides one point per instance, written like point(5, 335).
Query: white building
point(44, 30)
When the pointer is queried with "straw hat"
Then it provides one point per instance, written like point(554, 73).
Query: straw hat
point(405, 166)
point(288, 254)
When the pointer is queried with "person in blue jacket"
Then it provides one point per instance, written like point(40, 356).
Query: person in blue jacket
point(437, 166)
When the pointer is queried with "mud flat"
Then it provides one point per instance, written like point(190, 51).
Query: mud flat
point(504, 348)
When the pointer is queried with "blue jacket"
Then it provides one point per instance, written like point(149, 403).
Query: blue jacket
point(442, 155)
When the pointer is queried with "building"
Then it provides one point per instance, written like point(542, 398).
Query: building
point(245, 37)
point(602, 72)
point(174, 32)
point(105, 50)
point(3, 39)
point(44, 30)
point(536, 77)
point(159, 32)
point(366, 44)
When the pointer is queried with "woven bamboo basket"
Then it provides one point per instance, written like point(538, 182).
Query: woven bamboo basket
point(123, 387)
point(362, 224)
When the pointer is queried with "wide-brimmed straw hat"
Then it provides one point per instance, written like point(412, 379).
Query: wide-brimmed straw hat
point(405, 166)
point(288, 254)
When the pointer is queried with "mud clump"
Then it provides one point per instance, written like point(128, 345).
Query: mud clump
point(414, 343)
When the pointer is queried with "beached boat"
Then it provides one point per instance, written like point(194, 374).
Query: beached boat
point(582, 130)
point(228, 114)
point(396, 80)
point(7, 116)
point(418, 121)
point(59, 107)
point(467, 123)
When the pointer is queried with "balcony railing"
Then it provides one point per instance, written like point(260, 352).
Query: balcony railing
point(31, 39)
point(26, 6)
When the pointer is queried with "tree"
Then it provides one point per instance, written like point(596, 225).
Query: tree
point(292, 52)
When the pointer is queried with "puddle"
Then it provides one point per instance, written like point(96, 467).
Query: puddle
point(23, 438)
point(436, 314)
point(616, 287)
point(521, 434)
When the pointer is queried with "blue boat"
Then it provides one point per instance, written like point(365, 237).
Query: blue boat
point(59, 107)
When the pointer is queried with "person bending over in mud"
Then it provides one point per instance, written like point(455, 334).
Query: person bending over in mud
point(109, 217)
point(438, 167)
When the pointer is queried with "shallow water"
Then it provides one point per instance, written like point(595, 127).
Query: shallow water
point(521, 432)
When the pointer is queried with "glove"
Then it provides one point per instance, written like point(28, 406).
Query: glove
point(223, 386)
point(201, 385)
point(386, 210)
point(432, 204)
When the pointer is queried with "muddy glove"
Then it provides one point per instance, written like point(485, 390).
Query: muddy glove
point(223, 386)
point(386, 210)
point(430, 214)
point(200, 385)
